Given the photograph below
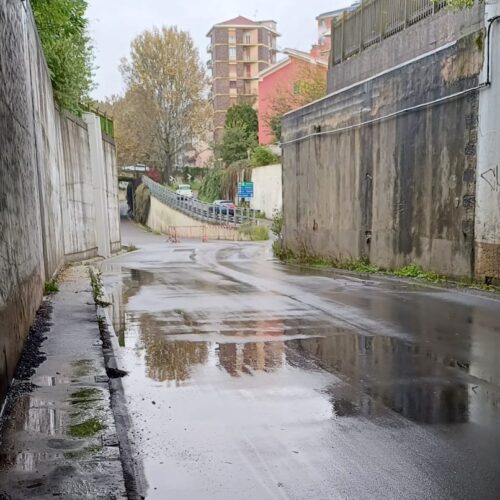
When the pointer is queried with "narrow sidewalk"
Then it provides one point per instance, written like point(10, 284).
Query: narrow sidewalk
point(58, 436)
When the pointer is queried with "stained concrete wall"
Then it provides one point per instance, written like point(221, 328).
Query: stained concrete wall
point(268, 192)
point(395, 191)
point(47, 207)
point(22, 267)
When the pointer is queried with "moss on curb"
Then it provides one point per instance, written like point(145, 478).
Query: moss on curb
point(87, 428)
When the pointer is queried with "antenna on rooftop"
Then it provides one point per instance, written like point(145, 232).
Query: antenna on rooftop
point(255, 14)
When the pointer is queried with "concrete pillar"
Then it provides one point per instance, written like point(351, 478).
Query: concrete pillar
point(487, 217)
point(99, 184)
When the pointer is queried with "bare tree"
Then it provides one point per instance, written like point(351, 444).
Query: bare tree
point(166, 96)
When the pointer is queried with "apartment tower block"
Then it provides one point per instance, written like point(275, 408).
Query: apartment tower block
point(240, 48)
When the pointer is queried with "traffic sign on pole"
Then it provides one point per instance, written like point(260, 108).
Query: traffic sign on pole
point(245, 190)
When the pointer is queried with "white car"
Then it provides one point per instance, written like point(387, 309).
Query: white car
point(184, 192)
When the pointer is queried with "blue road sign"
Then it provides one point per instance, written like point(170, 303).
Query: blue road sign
point(245, 189)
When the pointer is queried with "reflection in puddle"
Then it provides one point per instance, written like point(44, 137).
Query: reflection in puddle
point(237, 359)
point(391, 372)
point(29, 415)
point(258, 333)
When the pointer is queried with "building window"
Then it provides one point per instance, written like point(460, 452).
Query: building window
point(232, 53)
point(232, 84)
point(231, 38)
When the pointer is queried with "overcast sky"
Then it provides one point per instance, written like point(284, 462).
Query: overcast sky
point(114, 23)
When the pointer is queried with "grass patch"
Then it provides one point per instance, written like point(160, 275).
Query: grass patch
point(254, 232)
point(87, 428)
point(416, 271)
point(85, 452)
point(85, 394)
point(132, 248)
point(85, 399)
point(51, 287)
point(196, 185)
point(411, 271)
point(358, 265)
point(82, 367)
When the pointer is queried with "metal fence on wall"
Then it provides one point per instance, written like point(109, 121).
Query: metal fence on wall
point(207, 212)
point(375, 20)
point(107, 125)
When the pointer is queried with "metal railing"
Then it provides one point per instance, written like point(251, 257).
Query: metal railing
point(207, 212)
point(375, 20)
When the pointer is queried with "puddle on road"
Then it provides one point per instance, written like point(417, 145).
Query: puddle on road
point(175, 338)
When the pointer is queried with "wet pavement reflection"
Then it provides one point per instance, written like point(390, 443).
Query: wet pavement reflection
point(252, 380)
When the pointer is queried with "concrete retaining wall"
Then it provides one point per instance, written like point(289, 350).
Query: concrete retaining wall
point(79, 214)
point(48, 213)
point(162, 217)
point(113, 207)
point(268, 191)
point(395, 191)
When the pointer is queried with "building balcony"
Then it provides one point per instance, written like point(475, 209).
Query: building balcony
point(248, 41)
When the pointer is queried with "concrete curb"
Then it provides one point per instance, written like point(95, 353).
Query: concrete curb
point(135, 481)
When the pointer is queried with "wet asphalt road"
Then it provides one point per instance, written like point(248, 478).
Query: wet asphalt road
point(253, 380)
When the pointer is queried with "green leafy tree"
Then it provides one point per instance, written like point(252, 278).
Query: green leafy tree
point(240, 134)
point(211, 187)
point(62, 27)
point(242, 116)
point(236, 144)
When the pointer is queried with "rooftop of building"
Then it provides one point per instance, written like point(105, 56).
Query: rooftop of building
point(292, 53)
point(244, 22)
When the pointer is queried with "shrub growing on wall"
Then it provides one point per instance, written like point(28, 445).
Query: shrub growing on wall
point(263, 156)
point(62, 27)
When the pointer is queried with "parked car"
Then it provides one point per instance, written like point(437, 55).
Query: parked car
point(184, 192)
point(223, 207)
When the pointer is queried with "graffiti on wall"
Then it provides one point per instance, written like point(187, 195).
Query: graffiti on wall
point(492, 178)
